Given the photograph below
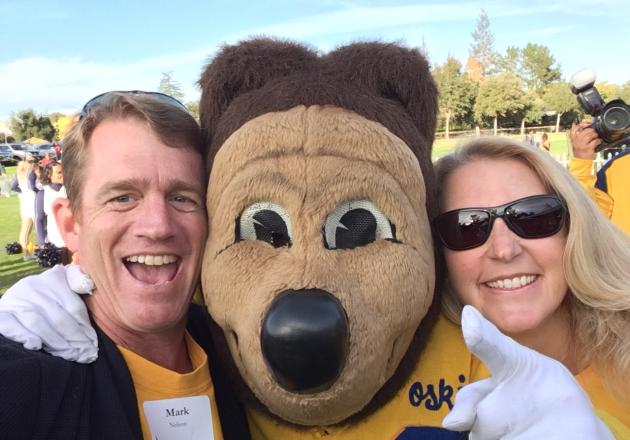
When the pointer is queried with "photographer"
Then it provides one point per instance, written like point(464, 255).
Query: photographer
point(609, 186)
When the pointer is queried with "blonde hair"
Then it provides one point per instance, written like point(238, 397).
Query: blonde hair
point(596, 259)
point(24, 167)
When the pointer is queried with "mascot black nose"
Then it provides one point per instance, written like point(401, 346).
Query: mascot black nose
point(305, 340)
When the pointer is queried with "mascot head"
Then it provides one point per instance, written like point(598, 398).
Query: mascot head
point(320, 269)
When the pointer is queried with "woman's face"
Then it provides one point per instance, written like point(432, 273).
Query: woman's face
point(516, 283)
point(57, 174)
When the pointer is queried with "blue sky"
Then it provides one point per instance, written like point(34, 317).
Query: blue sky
point(55, 55)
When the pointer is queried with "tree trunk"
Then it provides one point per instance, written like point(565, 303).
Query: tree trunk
point(495, 125)
point(477, 131)
point(448, 124)
point(558, 122)
point(522, 127)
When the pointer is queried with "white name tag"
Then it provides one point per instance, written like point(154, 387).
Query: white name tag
point(187, 418)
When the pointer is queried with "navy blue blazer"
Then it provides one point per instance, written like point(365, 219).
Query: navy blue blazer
point(47, 398)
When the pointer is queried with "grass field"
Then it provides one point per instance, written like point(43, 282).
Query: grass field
point(12, 267)
point(558, 141)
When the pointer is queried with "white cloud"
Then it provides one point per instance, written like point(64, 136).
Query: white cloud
point(48, 85)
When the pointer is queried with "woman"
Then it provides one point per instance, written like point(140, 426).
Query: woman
point(52, 179)
point(528, 248)
point(27, 203)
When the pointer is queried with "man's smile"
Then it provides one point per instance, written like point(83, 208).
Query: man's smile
point(152, 269)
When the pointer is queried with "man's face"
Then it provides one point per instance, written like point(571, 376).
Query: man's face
point(140, 227)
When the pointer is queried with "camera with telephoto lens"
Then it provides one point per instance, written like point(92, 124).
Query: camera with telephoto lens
point(611, 121)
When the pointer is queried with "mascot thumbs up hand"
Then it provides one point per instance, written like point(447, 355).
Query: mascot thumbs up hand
point(528, 397)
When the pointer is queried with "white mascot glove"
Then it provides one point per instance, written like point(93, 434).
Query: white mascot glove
point(528, 397)
point(44, 311)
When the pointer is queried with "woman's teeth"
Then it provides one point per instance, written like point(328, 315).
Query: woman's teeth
point(152, 260)
point(512, 283)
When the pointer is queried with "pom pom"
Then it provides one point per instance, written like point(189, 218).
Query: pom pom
point(13, 248)
point(48, 255)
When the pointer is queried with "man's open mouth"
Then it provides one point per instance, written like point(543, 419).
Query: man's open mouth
point(152, 269)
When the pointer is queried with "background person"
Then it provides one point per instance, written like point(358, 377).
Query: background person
point(27, 202)
point(544, 144)
point(554, 274)
point(52, 178)
point(609, 186)
point(5, 186)
point(530, 137)
point(39, 218)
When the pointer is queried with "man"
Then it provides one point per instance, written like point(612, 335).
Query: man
point(609, 187)
point(135, 217)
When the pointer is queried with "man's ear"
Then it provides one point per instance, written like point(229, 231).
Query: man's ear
point(66, 223)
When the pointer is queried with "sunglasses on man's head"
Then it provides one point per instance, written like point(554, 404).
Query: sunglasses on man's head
point(100, 99)
point(531, 217)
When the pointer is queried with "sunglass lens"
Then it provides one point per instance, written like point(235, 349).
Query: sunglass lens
point(536, 217)
point(464, 229)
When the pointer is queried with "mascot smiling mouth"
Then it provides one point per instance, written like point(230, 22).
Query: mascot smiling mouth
point(319, 270)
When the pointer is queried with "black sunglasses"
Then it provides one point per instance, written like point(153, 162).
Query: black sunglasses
point(531, 217)
point(100, 99)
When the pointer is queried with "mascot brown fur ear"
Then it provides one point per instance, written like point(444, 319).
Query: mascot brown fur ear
point(241, 68)
point(392, 72)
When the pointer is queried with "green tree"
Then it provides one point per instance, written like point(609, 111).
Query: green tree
point(510, 62)
point(608, 91)
point(169, 86)
point(533, 110)
point(625, 92)
point(457, 91)
point(482, 46)
point(559, 98)
point(26, 124)
point(54, 117)
point(533, 64)
point(539, 67)
point(499, 96)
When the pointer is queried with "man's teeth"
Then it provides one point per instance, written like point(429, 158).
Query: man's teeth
point(152, 260)
point(512, 283)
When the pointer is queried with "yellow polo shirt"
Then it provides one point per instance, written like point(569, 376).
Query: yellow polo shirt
point(153, 382)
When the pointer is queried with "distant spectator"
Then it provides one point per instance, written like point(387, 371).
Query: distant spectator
point(530, 137)
point(39, 217)
point(544, 144)
point(52, 178)
point(27, 201)
point(57, 149)
point(5, 187)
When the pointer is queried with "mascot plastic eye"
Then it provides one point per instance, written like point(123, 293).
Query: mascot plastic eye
point(264, 221)
point(356, 223)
